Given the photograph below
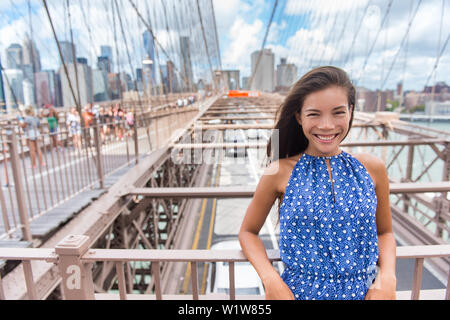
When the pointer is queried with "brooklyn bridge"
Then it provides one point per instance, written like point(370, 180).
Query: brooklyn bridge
point(140, 191)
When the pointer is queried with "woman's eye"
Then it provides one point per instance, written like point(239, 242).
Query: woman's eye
point(311, 114)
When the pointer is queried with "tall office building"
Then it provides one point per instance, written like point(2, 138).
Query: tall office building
point(28, 72)
point(13, 87)
point(149, 47)
point(147, 73)
point(31, 55)
point(245, 81)
point(84, 84)
point(106, 51)
point(28, 92)
point(52, 86)
point(58, 90)
point(43, 88)
point(14, 56)
point(82, 60)
point(169, 78)
point(186, 64)
point(114, 86)
point(46, 88)
point(263, 72)
point(100, 85)
point(139, 80)
point(104, 64)
point(286, 75)
point(68, 51)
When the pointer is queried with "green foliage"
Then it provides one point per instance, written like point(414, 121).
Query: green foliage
point(419, 108)
point(394, 105)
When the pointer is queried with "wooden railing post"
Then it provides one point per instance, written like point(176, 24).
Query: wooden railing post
point(136, 139)
point(408, 177)
point(18, 184)
point(98, 149)
point(417, 279)
point(447, 291)
point(76, 276)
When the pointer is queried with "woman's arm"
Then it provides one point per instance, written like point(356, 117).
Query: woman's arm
point(252, 246)
point(385, 284)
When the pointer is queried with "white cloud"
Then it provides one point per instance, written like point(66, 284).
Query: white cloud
point(296, 7)
point(247, 38)
point(241, 26)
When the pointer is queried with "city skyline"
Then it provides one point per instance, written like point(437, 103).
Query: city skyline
point(97, 84)
point(386, 58)
point(241, 26)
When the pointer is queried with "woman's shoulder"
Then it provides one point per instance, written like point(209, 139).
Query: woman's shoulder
point(279, 166)
point(374, 165)
point(279, 171)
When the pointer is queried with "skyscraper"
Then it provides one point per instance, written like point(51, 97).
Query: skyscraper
point(13, 87)
point(46, 88)
point(100, 85)
point(68, 51)
point(28, 92)
point(106, 51)
point(149, 47)
point(186, 64)
point(114, 86)
point(169, 78)
point(139, 80)
point(31, 55)
point(14, 56)
point(286, 74)
point(263, 75)
point(84, 84)
point(82, 60)
point(104, 64)
point(43, 88)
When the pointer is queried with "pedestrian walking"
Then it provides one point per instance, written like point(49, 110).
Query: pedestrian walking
point(52, 119)
point(30, 125)
point(74, 124)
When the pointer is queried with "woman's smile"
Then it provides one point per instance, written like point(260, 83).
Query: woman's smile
point(326, 138)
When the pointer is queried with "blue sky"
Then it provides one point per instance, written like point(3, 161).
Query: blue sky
point(302, 28)
point(306, 32)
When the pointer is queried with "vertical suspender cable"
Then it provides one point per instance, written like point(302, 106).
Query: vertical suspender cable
point(263, 45)
point(62, 60)
point(437, 50)
point(215, 34)
point(206, 45)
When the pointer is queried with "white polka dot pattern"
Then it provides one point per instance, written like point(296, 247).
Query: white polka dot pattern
point(328, 242)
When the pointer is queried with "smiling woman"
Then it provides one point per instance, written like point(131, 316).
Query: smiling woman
point(299, 106)
point(336, 239)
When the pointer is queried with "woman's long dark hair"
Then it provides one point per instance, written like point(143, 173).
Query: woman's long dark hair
point(287, 133)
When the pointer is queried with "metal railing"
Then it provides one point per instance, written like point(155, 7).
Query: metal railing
point(74, 260)
point(81, 160)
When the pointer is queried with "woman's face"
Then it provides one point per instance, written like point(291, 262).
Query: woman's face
point(325, 118)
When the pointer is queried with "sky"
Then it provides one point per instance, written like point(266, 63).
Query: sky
point(301, 32)
point(378, 42)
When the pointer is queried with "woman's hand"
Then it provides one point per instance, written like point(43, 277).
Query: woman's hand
point(276, 289)
point(383, 288)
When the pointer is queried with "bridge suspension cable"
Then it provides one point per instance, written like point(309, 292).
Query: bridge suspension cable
point(263, 44)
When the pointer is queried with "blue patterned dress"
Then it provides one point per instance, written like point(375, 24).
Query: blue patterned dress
point(328, 242)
